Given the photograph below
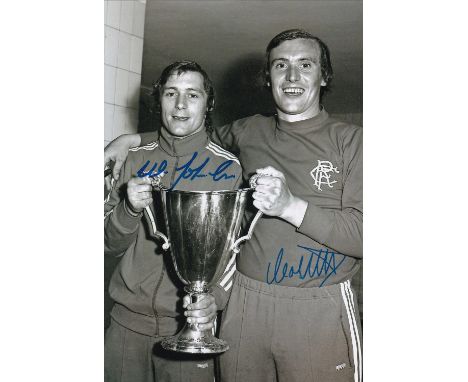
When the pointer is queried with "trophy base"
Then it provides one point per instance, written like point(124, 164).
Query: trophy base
point(191, 340)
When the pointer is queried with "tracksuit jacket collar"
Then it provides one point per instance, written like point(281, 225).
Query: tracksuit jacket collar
point(178, 147)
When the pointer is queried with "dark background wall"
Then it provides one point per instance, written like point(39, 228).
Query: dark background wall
point(228, 39)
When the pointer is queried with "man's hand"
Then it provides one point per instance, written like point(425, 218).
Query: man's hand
point(273, 197)
point(202, 312)
point(139, 193)
point(117, 151)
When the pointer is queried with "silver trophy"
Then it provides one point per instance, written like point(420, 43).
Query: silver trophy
point(202, 227)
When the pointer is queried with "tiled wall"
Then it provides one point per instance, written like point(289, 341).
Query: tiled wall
point(123, 50)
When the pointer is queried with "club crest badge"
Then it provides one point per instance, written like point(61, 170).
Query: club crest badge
point(322, 174)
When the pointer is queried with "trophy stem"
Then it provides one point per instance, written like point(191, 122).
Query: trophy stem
point(193, 340)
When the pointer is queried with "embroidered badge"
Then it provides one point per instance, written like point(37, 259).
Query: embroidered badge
point(322, 174)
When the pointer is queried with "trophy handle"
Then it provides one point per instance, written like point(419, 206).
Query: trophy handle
point(156, 183)
point(235, 246)
point(166, 244)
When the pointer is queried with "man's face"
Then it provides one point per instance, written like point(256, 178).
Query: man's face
point(183, 103)
point(296, 79)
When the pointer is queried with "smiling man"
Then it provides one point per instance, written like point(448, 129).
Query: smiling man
point(144, 286)
point(292, 313)
point(296, 79)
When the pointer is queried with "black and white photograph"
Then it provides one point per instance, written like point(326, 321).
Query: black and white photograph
point(234, 210)
point(283, 191)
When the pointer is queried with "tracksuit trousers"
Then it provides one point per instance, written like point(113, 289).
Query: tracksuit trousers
point(288, 334)
point(134, 357)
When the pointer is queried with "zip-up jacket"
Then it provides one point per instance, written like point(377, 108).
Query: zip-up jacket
point(145, 288)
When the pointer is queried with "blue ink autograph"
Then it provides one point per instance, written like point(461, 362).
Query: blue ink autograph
point(325, 263)
point(162, 169)
point(186, 171)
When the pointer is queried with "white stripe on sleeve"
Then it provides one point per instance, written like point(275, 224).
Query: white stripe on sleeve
point(228, 275)
point(224, 154)
point(357, 355)
point(228, 286)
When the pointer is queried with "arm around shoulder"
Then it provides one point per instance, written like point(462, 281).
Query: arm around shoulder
point(117, 150)
point(230, 135)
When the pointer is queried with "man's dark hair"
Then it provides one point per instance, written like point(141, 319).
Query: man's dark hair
point(293, 34)
point(178, 68)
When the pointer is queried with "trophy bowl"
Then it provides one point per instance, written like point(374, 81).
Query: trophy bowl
point(202, 227)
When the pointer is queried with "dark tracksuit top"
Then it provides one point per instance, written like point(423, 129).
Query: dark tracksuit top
point(321, 159)
point(144, 286)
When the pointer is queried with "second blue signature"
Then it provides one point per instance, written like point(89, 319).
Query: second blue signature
point(186, 171)
point(319, 262)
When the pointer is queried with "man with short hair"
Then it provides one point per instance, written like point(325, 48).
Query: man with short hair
point(144, 285)
point(292, 313)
